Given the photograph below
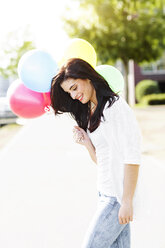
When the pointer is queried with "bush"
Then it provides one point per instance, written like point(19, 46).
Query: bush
point(153, 99)
point(146, 87)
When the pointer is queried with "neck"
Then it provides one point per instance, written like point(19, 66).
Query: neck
point(92, 105)
point(93, 99)
point(92, 108)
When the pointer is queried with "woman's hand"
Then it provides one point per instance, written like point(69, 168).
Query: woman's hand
point(80, 136)
point(125, 213)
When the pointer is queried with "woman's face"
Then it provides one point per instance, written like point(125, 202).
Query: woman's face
point(80, 89)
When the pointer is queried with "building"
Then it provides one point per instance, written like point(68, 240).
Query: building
point(6, 115)
point(4, 85)
point(154, 71)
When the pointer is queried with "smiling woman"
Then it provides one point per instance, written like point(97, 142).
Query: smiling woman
point(77, 89)
point(81, 89)
point(108, 129)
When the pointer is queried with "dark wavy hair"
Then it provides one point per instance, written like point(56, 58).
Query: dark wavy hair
point(61, 101)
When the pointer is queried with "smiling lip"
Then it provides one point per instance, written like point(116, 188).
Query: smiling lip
point(80, 98)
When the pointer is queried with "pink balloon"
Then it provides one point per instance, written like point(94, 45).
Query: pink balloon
point(47, 99)
point(25, 102)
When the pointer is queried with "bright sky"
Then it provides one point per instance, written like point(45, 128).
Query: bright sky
point(43, 16)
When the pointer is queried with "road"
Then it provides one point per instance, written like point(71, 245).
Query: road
point(48, 190)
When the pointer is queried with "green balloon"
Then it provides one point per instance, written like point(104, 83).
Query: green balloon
point(113, 77)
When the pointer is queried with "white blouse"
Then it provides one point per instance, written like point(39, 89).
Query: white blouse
point(117, 142)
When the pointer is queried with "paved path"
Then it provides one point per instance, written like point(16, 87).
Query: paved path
point(48, 190)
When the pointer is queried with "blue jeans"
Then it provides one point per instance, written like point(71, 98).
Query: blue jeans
point(104, 230)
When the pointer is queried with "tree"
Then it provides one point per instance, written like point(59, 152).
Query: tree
point(120, 29)
point(14, 46)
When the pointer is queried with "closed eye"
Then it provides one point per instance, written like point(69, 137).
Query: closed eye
point(73, 89)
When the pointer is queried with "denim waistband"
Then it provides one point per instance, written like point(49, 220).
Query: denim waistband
point(113, 198)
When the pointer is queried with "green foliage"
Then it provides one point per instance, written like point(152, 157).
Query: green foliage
point(153, 99)
point(12, 51)
point(146, 87)
point(120, 29)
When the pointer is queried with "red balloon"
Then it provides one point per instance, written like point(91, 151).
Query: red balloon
point(47, 101)
point(25, 102)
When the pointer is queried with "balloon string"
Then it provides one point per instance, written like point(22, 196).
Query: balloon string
point(47, 108)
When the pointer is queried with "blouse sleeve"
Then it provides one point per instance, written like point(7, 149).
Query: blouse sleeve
point(125, 131)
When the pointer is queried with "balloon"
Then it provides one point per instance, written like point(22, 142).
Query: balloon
point(25, 102)
point(79, 48)
point(36, 69)
point(113, 76)
point(47, 101)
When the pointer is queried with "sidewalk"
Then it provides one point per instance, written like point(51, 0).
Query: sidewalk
point(48, 188)
point(149, 231)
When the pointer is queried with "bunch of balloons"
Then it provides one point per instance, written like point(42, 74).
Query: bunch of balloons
point(29, 95)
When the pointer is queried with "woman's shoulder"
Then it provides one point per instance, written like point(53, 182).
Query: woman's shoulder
point(118, 101)
point(120, 106)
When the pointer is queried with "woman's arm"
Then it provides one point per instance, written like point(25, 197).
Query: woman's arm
point(130, 180)
point(122, 122)
point(92, 153)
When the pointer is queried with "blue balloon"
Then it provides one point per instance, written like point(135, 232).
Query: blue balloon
point(36, 69)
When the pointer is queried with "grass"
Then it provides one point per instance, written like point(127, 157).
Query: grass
point(7, 132)
point(142, 105)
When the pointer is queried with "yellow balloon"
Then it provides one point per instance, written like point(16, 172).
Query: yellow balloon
point(79, 48)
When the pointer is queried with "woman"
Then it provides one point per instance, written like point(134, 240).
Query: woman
point(108, 129)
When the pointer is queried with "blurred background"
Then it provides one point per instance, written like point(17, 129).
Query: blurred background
point(48, 193)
